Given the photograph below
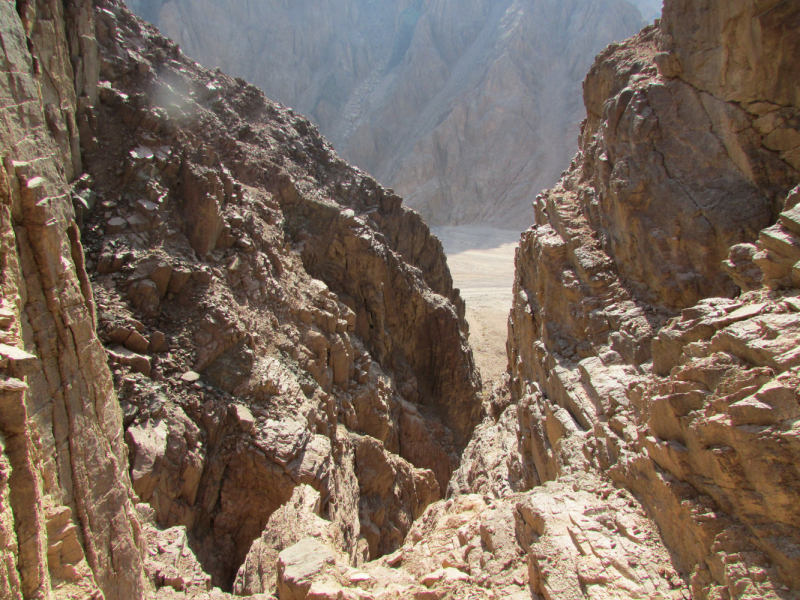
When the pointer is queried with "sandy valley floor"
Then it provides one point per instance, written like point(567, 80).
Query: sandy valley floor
point(481, 260)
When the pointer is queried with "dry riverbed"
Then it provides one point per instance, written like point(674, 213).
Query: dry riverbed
point(481, 260)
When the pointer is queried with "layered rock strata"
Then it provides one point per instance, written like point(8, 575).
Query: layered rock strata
point(69, 527)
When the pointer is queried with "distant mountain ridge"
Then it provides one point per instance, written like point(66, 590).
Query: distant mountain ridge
point(468, 109)
point(650, 9)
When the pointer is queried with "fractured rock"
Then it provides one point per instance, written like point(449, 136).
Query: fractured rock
point(299, 566)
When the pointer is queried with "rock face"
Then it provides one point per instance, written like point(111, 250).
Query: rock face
point(577, 538)
point(652, 334)
point(68, 523)
point(272, 318)
point(297, 520)
point(228, 360)
point(467, 109)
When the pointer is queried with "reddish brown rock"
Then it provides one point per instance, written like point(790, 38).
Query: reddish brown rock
point(137, 342)
point(633, 350)
point(67, 518)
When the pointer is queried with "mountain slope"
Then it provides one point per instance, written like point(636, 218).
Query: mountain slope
point(230, 359)
point(218, 311)
point(467, 109)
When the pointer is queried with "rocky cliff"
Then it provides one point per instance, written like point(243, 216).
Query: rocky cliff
point(653, 332)
point(68, 527)
point(233, 365)
point(204, 310)
point(467, 109)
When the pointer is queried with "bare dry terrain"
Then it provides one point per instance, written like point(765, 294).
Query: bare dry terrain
point(481, 260)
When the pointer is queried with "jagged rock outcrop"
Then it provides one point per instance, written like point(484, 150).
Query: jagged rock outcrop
point(295, 521)
point(264, 306)
point(633, 347)
point(467, 109)
point(69, 527)
point(576, 538)
point(251, 356)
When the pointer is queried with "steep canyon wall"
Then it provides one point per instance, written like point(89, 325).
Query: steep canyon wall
point(653, 330)
point(204, 310)
point(69, 524)
point(233, 365)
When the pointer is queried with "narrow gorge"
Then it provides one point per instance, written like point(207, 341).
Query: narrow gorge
point(233, 365)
